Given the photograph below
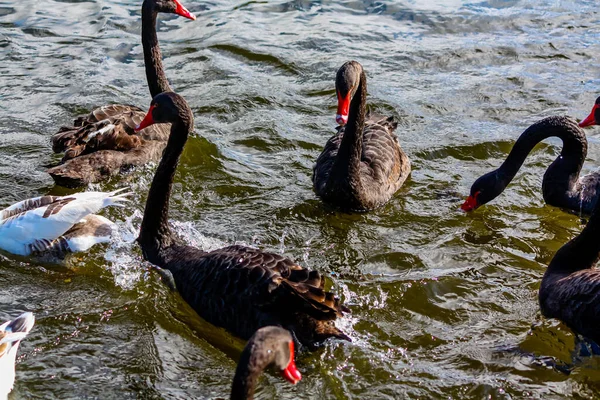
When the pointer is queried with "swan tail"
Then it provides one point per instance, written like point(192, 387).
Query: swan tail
point(314, 301)
point(314, 332)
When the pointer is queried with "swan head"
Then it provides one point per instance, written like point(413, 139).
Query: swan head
point(284, 359)
point(484, 190)
point(167, 107)
point(11, 334)
point(346, 85)
point(172, 7)
point(271, 346)
point(594, 117)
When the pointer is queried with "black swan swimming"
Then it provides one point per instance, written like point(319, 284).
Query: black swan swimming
point(238, 288)
point(104, 143)
point(58, 224)
point(11, 334)
point(570, 289)
point(269, 346)
point(561, 185)
point(363, 165)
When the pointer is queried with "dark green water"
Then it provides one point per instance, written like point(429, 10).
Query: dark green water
point(435, 294)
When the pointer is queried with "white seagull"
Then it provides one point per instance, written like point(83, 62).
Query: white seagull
point(58, 224)
point(11, 334)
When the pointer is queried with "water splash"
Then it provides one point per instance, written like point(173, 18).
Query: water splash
point(123, 253)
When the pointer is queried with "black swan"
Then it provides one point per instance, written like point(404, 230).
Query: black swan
point(239, 288)
point(11, 334)
point(58, 224)
point(561, 185)
point(570, 289)
point(363, 165)
point(269, 346)
point(104, 143)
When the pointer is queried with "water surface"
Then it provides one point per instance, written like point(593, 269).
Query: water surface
point(435, 294)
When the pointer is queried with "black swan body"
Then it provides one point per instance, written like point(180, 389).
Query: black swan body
point(104, 142)
point(363, 165)
point(570, 289)
point(561, 185)
point(269, 346)
point(239, 288)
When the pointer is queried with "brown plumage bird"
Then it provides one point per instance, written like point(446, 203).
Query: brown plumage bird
point(104, 142)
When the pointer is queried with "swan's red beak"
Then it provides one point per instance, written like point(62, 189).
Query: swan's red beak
point(181, 10)
point(590, 120)
point(342, 111)
point(291, 373)
point(470, 203)
point(147, 121)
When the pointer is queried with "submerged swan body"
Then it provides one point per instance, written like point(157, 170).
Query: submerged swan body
point(104, 142)
point(239, 288)
point(570, 288)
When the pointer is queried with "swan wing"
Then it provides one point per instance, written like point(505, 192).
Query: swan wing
point(269, 281)
point(109, 127)
point(35, 228)
point(325, 161)
point(382, 157)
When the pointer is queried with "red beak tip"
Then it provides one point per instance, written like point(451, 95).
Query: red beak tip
point(189, 15)
point(341, 119)
point(291, 374)
point(469, 204)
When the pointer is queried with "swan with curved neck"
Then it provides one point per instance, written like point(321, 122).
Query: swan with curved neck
point(570, 288)
point(104, 143)
point(561, 185)
point(239, 288)
point(363, 165)
point(270, 346)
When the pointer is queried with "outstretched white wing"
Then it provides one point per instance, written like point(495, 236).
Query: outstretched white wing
point(46, 218)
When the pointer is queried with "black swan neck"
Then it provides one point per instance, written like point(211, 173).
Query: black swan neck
point(561, 176)
point(155, 235)
point(248, 369)
point(155, 73)
point(347, 162)
point(581, 252)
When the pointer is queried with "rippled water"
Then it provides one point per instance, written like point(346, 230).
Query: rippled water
point(437, 296)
